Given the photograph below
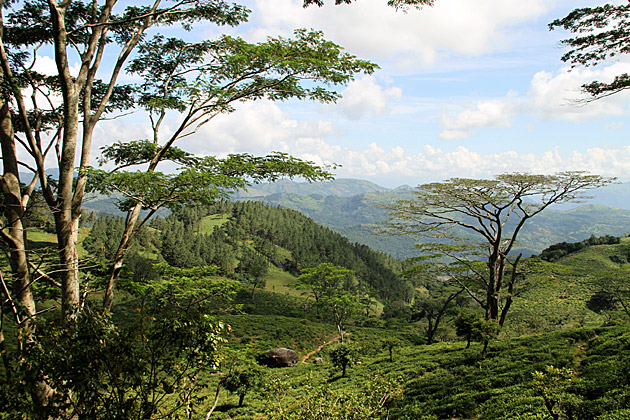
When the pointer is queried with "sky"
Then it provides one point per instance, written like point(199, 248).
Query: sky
point(466, 88)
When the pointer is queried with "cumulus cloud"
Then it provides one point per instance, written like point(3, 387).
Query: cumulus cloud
point(365, 97)
point(421, 37)
point(433, 163)
point(559, 95)
point(492, 113)
point(551, 96)
point(262, 127)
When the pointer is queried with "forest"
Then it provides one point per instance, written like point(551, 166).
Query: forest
point(198, 304)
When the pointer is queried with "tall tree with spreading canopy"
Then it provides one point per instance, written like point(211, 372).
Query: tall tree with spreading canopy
point(473, 225)
point(201, 81)
point(47, 122)
point(601, 34)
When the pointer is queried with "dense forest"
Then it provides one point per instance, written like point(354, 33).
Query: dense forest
point(230, 235)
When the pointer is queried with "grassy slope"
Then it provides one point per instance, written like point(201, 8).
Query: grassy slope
point(556, 296)
point(445, 380)
point(448, 381)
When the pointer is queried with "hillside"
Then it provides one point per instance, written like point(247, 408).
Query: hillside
point(233, 235)
point(349, 207)
point(554, 350)
point(355, 217)
point(549, 325)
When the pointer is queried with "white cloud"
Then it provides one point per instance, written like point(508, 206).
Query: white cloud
point(365, 97)
point(262, 127)
point(46, 65)
point(551, 96)
point(559, 96)
point(492, 113)
point(435, 164)
point(421, 37)
point(255, 127)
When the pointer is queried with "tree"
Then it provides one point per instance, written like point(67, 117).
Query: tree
point(602, 33)
point(81, 32)
point(389, 344)
point(253, 267)
point(613, 289)
point(146, 367)
point(471, 225)
point(330, 286)
point(433, 309)
point(342, 356)
point(398, 4)
point(57, 121)
point(243, 376)
point(473, 327)
point(200, 81)
point(552, 385)
point(436, 298)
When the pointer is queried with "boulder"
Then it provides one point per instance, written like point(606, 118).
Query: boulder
point(279, 357)
point(318, 360)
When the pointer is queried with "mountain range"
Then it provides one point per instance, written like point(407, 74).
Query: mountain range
point(349, 207)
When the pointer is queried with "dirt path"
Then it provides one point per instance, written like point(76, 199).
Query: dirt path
point(318, 349)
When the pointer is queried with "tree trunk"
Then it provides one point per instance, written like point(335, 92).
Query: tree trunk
point(340, 333)
point(485, 348)
point(22, 290)
point(430, 330)
point(14, 212)
point(69, 260)
point(128, 235)
point(496, 265)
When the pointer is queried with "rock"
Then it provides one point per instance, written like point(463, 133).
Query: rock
point(279, 357)
point(318, 360)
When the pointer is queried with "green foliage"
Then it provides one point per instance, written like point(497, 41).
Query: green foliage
point(557, 251)
point(253, 267)
point(601, 33)
point(332, 288)
point(552, 386)
point(197, 288)
point(474, 327)
point(465, 221)
point(389, 343)
point(102, 370)
point(244, 375)
point(105, 235)
point(343, 356)
point(371, 401)
point(289, 241)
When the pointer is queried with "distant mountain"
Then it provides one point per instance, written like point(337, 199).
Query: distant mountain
point(355, 217)
point(349, 207)
point(615, 195)
point(342, 187)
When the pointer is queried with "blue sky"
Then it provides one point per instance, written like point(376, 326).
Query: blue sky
point(466, 89)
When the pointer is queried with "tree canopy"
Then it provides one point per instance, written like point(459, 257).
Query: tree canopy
point(465, 221)
point(398, 4)
point(601, 34)
point(47, 124)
